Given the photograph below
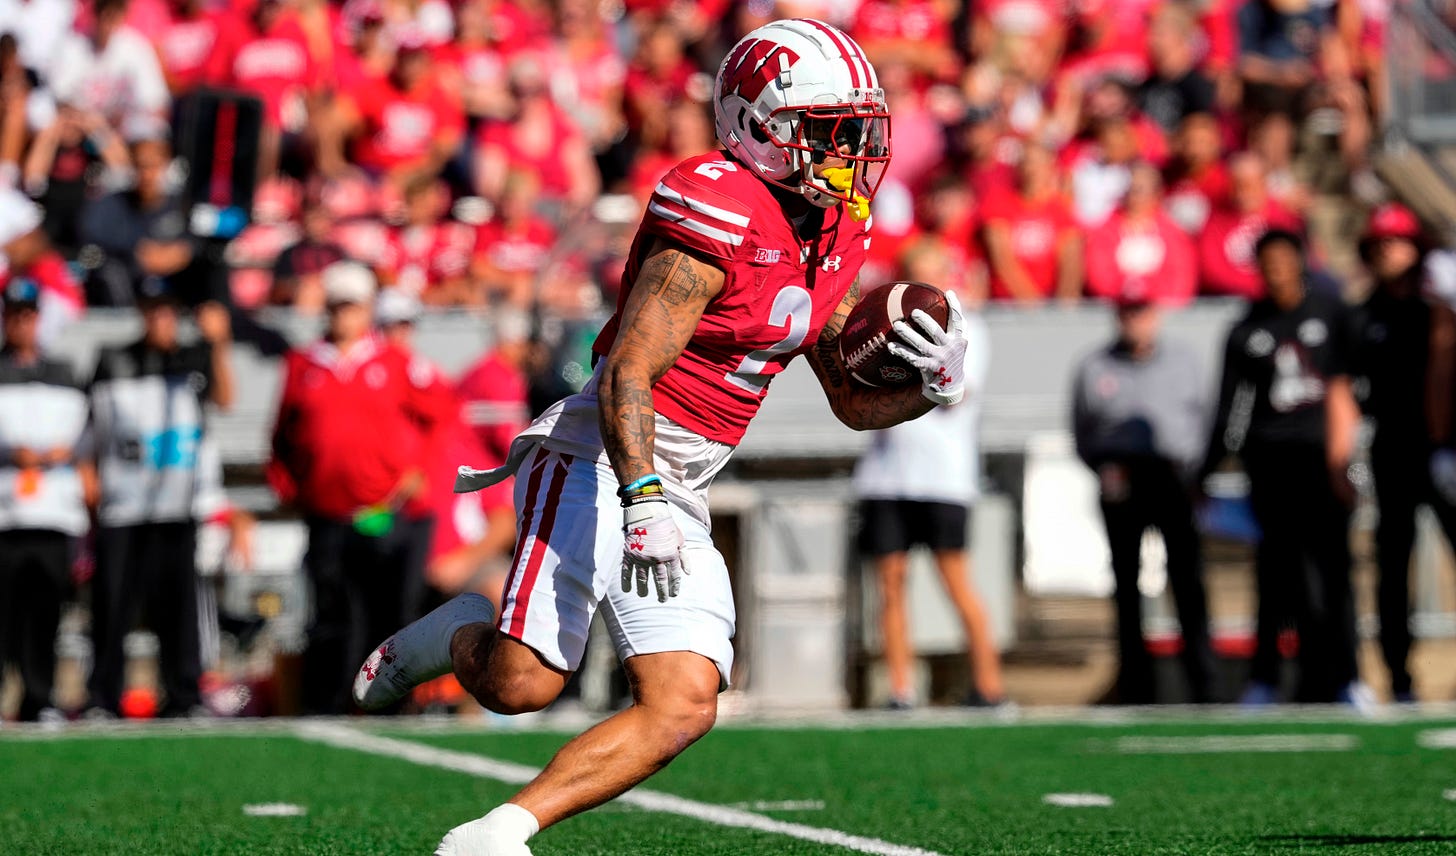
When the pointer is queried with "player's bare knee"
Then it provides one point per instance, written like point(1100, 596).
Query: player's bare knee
point(681, 719)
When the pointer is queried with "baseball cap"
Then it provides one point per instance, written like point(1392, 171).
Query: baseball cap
point(396, 307)
point(22, 293)
point(348, 282)
point(1135, 292)
point(1392, 220)
point(155, 290)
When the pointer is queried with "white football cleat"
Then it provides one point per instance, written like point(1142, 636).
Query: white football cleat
point(418, 653)
point(475, 839)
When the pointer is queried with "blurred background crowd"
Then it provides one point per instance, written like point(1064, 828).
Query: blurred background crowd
point(489, 159)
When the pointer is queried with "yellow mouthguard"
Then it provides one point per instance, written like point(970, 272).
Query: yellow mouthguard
point(841, 179)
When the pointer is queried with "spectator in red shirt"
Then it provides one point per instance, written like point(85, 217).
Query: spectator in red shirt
point(1141, 248)
point(587, 75)
point(689, 132)
point(939, 250)
point(511, 249)
point(474, 532)
point(660, 74)
point(494, 392)
point(538, 138)
point(911, 32)
point(474, 66)
point(272, 59)
point(1197, 179)
point(190, 40)
point(402, 128)
point(429, 256)
point(1226, 263)
point(988, 153)
point(1032, 244)
point(364, 56)
point(361, 490)
point(1099, 173)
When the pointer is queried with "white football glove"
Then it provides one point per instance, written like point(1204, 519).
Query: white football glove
point(1443, 473)
point(941, 358)
point(652, 544)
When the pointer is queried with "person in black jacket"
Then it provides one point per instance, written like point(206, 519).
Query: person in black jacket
point(1286, 404)
point(1395, 332)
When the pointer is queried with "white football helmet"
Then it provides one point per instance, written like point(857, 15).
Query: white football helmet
point(791, 93)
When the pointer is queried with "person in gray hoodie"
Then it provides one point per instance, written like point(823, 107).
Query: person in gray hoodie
point(1140, 413)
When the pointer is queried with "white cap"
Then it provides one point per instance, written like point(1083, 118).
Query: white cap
point(348, 282)
point(395, 306)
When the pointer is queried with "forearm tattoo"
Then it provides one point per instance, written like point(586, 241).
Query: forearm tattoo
point(669, 296)
point(860, 407)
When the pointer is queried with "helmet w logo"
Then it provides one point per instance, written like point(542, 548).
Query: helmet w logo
point(753, 65)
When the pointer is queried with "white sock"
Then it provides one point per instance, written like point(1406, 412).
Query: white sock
point(511, 822)
point(468, 608)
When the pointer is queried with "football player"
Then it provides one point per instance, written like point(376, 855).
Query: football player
point(745, 258)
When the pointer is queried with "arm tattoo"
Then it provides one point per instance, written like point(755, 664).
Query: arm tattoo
point(860, 407)
point(662, 311)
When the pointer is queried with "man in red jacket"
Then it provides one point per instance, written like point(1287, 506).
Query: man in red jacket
point(348, 453)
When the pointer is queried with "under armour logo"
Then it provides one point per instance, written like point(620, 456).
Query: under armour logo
point(636, 535)
point(943, 378)
point(831, 263)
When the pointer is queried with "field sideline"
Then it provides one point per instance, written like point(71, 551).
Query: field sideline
point(931, 784)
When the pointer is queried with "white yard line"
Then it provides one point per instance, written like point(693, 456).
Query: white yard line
point(274, 810)
point(1223, 743)
point(1437, 738)
point(780, 805)
point(345, 737)
point(1078, 800)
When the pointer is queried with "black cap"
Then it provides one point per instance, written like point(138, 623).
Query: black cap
point(22, 293)
point(155, 291)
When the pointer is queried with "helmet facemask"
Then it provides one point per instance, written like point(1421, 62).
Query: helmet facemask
point(858, 134)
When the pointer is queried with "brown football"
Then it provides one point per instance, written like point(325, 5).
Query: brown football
point(867, 331)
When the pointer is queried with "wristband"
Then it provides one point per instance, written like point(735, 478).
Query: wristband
point(652, 494)
point(637, 486)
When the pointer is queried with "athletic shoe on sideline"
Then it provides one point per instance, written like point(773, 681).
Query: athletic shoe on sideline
point(1359, 696)
point(418, 653)
point(1258, 694)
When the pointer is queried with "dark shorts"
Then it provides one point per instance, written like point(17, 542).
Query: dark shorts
point(895, 525)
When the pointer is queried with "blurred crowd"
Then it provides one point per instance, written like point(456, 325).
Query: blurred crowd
point(496, 155)
point(481, 152)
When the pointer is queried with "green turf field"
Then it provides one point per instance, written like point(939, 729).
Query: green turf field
point(1195, 785)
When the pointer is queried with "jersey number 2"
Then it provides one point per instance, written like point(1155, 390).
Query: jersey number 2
point(792, 308)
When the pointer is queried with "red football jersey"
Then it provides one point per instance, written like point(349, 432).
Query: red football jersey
point(778, 294)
